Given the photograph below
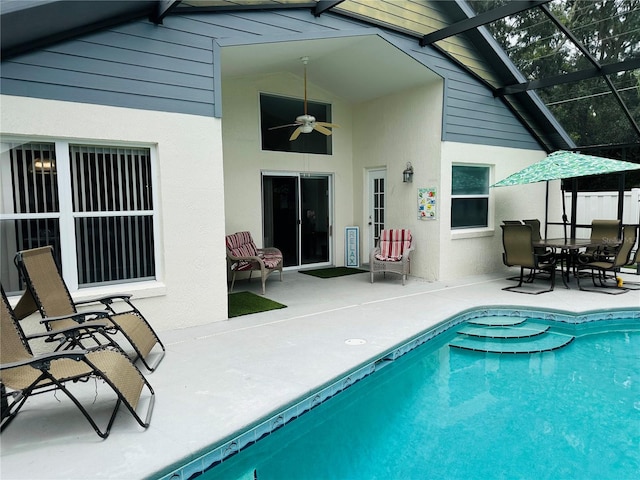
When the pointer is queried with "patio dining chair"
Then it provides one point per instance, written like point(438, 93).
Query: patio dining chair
point(600, 268)
point(393, 253)
point(47, 292)
point(602, 232)
point(519, 252)
point(24, 375)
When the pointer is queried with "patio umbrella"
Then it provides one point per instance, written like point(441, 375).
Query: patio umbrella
point(560, 165)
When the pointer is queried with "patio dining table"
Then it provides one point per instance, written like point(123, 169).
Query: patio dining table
point(569, 248)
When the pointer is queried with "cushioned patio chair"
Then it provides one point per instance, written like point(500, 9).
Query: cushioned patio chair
point(600, 268)
point(48, 293)
point(393, 253)
point(519, 252)
point(244, 256)
point(24, 375)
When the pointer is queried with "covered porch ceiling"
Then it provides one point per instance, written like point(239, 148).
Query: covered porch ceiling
point(348, 67)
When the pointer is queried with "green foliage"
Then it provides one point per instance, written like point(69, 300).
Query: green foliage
point(609, 31)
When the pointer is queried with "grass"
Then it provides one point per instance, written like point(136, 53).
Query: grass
point(246, 303)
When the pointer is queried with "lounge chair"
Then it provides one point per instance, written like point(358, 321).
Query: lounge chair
point(393, 253)
point(48, 293)
point(244, 256)
point(599, 268)
point(519, 252)
point(24, 375)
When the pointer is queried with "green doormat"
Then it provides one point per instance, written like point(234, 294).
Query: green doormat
point(332, 272)
point(245, 303)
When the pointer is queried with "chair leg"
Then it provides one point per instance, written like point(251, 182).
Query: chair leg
point(233, 281)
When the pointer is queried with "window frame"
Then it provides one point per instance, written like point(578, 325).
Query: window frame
point(293, 108)
point(66, 216)
point(478, 231)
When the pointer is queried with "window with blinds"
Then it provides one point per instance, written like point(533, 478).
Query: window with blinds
point(115, 243)
point(94, 201)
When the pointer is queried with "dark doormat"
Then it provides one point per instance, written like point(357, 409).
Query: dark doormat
point(332, 272)
point(245, 303)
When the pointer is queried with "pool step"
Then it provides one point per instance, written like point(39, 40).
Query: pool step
point(508, 335)
point(498, 321)
point(526, 330)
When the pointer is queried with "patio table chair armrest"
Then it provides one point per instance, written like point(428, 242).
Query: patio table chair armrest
point(547, 257)
point(41, 361)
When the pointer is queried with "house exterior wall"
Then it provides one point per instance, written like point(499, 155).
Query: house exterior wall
point(163, 85)
point(244, 159)
point(408, 129)
point(477, 251)
point(189, 191)
point(173, 67)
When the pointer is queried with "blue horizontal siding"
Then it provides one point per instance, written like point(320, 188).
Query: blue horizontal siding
point(171, 67)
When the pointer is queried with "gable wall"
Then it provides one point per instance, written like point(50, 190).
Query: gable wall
point(172, 67)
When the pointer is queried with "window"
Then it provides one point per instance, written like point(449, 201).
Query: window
point(92, 204)
point(469, 196)
point(278, 111)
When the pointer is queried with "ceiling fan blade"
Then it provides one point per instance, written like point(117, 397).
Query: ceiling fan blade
point(325, 124)
point(322, 129)
point(296, 133)
point(284, 126)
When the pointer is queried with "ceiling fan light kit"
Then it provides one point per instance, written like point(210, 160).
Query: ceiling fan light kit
point(307, 123)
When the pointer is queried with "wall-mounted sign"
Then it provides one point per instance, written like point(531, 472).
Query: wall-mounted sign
point(352, 247)
point(427, 203)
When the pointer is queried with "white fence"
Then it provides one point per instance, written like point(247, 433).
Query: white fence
point(604, 205)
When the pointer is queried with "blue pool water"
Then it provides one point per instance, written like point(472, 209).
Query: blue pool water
point(449, 409)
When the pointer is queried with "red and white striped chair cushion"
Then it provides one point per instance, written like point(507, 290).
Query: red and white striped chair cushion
point(393, 244)
point(241, 244)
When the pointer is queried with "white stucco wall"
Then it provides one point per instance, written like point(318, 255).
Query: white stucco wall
point(393, 130)
point(476, 251)
point(191, 287)
point(244, 159)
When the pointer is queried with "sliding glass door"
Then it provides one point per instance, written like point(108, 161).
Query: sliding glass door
point(297, 217)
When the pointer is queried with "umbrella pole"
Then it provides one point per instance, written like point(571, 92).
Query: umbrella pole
point(546, 210)
point(574, 206)
point(564, 212)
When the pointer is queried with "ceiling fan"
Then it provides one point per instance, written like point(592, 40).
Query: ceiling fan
point(307, 123)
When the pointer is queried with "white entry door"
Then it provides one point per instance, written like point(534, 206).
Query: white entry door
point(377, 184)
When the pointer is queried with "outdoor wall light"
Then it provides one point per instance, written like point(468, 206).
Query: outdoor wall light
point(407, 175)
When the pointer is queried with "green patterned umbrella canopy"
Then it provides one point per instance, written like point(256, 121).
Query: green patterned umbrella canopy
point(561, 164)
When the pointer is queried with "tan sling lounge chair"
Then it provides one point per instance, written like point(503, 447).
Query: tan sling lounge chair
point(24, 374)
point(48, 293)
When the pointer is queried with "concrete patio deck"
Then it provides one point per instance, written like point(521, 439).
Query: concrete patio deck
point(221, 377)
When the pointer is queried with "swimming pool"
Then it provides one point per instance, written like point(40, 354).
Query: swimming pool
point(450, 410)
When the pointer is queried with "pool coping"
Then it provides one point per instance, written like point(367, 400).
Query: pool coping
point(216, 453)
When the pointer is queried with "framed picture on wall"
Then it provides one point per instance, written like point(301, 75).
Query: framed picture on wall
point(427, 203)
